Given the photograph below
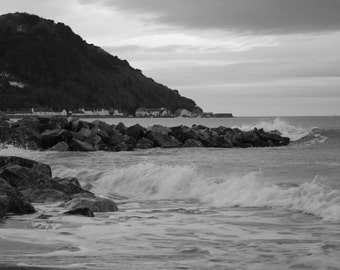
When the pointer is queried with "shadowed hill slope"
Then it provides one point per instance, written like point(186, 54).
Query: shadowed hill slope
point(45, 64)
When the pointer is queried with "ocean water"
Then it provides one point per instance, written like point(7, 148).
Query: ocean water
point(200, 208)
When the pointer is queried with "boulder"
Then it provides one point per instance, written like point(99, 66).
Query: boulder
point(74, 124)
point(145, 143)
point(23, 178)
point(81, 146)
point(192, 143)
point(69, 185)
point(94, 203)
point(20, 136)
point(27, 163)
point(60, 147)
point(44, 195)
point(85, 132)
point(183, 133)
point(12, 201)
point(84, 211)
point(136, 131)
point(52, 137)
point(121, 128)
point(171, 143)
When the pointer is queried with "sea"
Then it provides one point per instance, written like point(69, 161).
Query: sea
point(194, 208)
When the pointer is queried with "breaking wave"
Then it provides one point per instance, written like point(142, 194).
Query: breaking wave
point(148, 181)
point(286, 129)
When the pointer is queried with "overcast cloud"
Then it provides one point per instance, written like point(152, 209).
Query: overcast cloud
point(249, 57)
point(252, 16)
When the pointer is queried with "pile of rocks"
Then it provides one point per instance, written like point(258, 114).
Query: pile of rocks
point(24, 181)
point(73, 134)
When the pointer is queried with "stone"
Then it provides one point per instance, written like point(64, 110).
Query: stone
point(44, 195)
point(85, 132)
point(121, 128)
point(52, 137)
point(69, 185)
point(192, 143)
point(84, 211)
point(183, 133)
point(136, 131)
point(12, 201)
point(60, 147)
point(94, 203)
point(27, 163)
point(23, 178)
point(81, 146)
point(145, 143)
point(171, 143)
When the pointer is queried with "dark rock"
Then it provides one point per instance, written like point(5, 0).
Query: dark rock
point(183, 133)
point(52, 137)
point(60, 147)
point(85, 132)
point(94, 203)
point(12, 201)
point(20, 136)
point(27, 163)
point(121, 128)
point(44, 195)
point(23, 178)
point(84, 211)
point(74, 124)
point(69, 185)
point(200, 127)
point(123, 147)
point(172, 143)
point(159, 139)
point(81, 146)
point(130, 140)
point(136, 131)
point(145, 143)
point(192, 143)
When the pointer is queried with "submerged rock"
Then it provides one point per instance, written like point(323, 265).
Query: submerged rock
point(94, 203)
point(85, 211)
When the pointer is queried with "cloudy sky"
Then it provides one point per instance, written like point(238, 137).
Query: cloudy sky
point(248, 57)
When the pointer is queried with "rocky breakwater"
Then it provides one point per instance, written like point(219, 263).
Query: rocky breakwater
point(24, 181)
point(73, 134)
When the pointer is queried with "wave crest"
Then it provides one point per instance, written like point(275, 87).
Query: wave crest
point(148, 181)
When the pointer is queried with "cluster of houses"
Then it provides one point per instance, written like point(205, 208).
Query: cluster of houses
point(80, 112)
point(140, 112)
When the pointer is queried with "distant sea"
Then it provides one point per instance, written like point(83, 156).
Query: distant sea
point(195, 208)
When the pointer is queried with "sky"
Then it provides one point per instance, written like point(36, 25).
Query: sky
point(247, 57)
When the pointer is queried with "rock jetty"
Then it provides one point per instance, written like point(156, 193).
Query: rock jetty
point(24, 181)
point(73, 134)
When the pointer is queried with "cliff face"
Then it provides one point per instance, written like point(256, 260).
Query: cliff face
point(45, 64)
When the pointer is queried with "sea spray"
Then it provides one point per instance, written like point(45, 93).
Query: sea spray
point(149, 181)
point(295, 133)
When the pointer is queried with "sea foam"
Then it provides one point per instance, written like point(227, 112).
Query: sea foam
point(295, 133)
point(149, 181)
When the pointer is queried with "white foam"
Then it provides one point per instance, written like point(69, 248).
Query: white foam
point(148, 181)
point(287, 130)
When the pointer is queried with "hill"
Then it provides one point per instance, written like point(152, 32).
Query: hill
point(45, 64)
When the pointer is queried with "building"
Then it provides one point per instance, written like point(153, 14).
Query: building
point(19, 113)
point(116, 113)
point(77, 113)
point(183, 113)
point(142, 112)
point(101, 112)
point(152, 112)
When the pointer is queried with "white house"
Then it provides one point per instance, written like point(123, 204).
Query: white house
point(101, 112)
point(116, 112)
point(142, 112)
point(86, 112)
point(183, 113)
